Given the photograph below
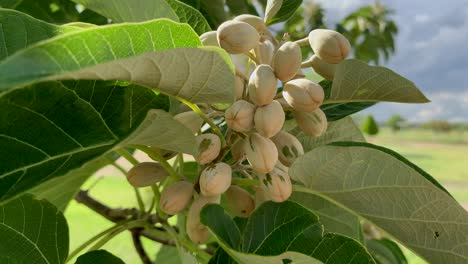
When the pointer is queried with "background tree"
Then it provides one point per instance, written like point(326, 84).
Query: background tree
point(438, 126)
point(394, 122)
point(369, 126)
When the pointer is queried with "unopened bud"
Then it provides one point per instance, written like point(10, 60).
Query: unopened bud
point(237, 37)
point(262, 85)
point(277, 184)
point(239, 201)
point(239, 117)
point(196, 231)
point(191, 120)
point(326, 70)
point(209, 39)
point(287, 61)
point(255, 21)
point(260, 197)
point(289, 147)
point(237, 149)
point(240, 87)
point(215, 179)
point(269, 119)
point(311, 123)
point(146, 174)
point(261, 153)
point(329, 45)
point(175, 197)
point(209, 146)
point(303, 95)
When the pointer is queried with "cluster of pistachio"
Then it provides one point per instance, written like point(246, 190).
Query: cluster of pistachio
point(259, 147)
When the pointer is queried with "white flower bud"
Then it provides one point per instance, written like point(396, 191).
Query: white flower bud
point(175, 197)
point(261, 153)
point(196, 231)
point(262, 85)
point(215, 179)
point(240, 87)
point(312, 123)
point(329, 45)
point(209, 39)
point(277, 184)
point(255, 21)
point(287, 61)
point(269, 119)
point(191, 120)
point(289, 147)
point(239, 117)
point(209, 146)
point(146, 174)
point(237, 37)
point(303, 95)
point(239, 201)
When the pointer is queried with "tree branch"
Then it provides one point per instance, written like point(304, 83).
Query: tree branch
point(136, 237)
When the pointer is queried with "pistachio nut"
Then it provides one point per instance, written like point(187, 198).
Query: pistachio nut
point(239, 117)
point(166, 154)
point(255, 21)
point(266, 51)
point(289, 147)
point(326, 70)
point(209, 39)
point(196, 231)
point(239, 201)
point(311, 123)
point(277, 184)
point(209, 146)
point(240, 87)
point(269, 119)
point(191, 120)
point(175, 197)
point(329, 45)
point(237, 150)
point(146, 174)
point(261, 153)
point(262, 85)
point(303, 95)
point(237, 37)
point(287, 61)
point(215, 179)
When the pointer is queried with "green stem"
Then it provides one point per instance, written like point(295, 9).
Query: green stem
point(128, 156)
point(111, 235)
point(132, 160)
point(94, 238)
point(141, 204)
point(213, 126)
point(157, 198)
point(159, 158)
point(180, 163)
point(244, 182)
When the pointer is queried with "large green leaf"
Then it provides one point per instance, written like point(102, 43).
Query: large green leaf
point(32, 231)
point(287, 9)
point(338, 111)
point(76, 122)
point(60, 191)
point(111, 53)
point(341, 130)
point(173, 255)
point(130, 10)
point(20, 30)
point(214, 11)
point(190, 15)
point(355, 81)
point(54, 11)
point(281, 228)
point(98, 257)
point(386, 251)
point(389, 191)
point(334, 218)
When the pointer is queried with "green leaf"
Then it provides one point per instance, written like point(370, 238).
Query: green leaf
point(239, 7)
point(60, 192)
point(20, 30)
point(172, 255)
point(341, 130)
point(98, 257)
point(53, 11)
point(286, 11)
point(386, 251)
point(190, 15)
point(391, 192)
point(203, 74)
point(338, 111)
point(334, 218)
point(281, 228)
point(32, 231)
point(355, 81)
point(130, 10)
point(214, 11)
point(191, 170)
point(74, 123)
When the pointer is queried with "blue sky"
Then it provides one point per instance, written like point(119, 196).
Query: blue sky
point(432, 51)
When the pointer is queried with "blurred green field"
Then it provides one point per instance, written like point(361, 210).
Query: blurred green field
point(441, 155)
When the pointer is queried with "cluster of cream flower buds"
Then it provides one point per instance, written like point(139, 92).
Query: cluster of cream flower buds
point(259, 146)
